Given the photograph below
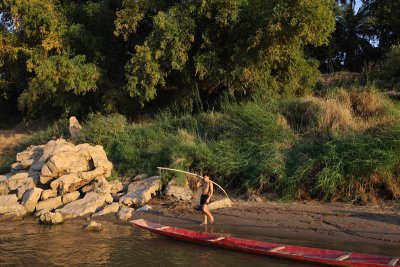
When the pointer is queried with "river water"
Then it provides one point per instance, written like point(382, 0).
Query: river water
point(26, 243)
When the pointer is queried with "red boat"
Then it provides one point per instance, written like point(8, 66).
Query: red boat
point(304, 254)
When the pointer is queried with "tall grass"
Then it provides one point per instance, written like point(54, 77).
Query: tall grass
point(341, 146)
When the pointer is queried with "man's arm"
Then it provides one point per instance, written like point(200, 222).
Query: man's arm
point(211, 192)
point(199, 183)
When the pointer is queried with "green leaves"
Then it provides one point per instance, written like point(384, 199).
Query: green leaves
point(56, 76)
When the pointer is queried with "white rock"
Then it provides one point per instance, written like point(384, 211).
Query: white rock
point(91, 203)
point(125, 214)
point(51, 218)
point(49, 204)
point(75, 129)
point(21, 190)
point(39, 213)
point(21, 179)
point(109, 198)
point(9, 206)
point(67, 198)
point(31, 198)
point(112, 208)
point(140, 192)
point(116, 186)
point(45, 179)
point(4, 189)
point(92, 226)
point(3, 178)
point(219, 204)
point(176, 191)
point(101, 186)
point(46, 194)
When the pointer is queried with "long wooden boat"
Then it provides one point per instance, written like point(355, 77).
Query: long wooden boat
point(304, 254)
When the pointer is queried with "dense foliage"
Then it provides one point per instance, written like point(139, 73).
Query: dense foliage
point(73, 57)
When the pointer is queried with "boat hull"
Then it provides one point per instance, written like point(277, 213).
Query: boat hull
point(297, 253)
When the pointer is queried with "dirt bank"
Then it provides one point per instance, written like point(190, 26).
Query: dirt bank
point(368, 229)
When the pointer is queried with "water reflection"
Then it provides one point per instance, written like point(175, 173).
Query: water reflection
point(28, 244)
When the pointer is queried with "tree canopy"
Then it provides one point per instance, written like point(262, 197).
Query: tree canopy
point(73, 57)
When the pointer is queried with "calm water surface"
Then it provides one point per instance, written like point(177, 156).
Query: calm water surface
point(26, 243)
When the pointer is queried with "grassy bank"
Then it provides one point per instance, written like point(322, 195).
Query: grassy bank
point(340, 146)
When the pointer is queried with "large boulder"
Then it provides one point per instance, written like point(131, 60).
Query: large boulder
point(10, 207)
point(31, 198)
point(49, 204)
point(140, 192)
point(91, 203)
point(83, 162)
point(173, 189)
point(125, 214)
point(74, 181)
point(67, 162)
point(112, 208)
point(42, 153)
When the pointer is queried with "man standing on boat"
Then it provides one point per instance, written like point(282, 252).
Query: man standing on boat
point(207, 192)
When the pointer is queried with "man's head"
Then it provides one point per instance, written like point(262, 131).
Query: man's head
point(206, 178)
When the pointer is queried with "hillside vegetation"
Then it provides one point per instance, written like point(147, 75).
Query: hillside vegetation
point(343, 146)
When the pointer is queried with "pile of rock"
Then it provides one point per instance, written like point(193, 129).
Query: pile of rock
point(60, 180)
point(57, 176)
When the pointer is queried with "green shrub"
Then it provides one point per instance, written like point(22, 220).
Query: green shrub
point(358, 167)
point(250, 149)
point(389, 68)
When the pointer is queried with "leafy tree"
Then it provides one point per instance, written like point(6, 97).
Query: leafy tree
point(203, 48)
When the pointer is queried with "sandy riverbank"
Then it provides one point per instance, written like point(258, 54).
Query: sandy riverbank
point(368, 229)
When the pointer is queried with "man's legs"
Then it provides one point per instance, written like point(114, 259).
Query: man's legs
point(206, 213)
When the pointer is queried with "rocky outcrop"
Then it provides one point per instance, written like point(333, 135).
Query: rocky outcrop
point(174, 190)
point(91, 203)
point(51, 218)
point(49, 176)
point(125, 214)
point(31, 198)
point(112, 208)
point(140, 192)
point(10, 208)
